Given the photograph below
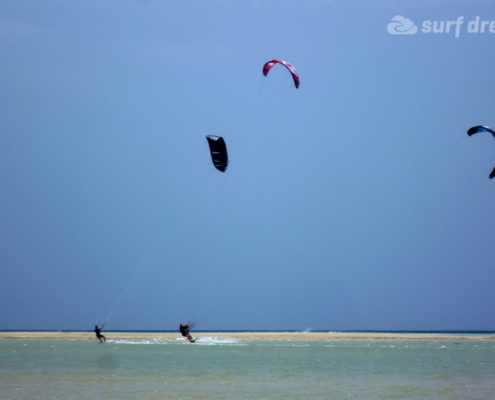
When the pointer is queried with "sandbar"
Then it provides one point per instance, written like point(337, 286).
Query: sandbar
point(249, 335)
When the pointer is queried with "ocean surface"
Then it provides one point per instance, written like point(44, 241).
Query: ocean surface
point(217, 369)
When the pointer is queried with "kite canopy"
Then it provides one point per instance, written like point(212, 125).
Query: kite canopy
point(218, 151)
point(268, 66)
point(481, 128)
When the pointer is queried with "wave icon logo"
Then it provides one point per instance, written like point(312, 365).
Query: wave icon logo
point(401, 26)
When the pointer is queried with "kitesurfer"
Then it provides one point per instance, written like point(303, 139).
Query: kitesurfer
point(184, 330)
point(99, 335)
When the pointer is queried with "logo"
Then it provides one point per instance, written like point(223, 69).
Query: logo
point(401, 26)
point(404, 26)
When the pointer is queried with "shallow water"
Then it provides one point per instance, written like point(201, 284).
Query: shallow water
point(233, 369)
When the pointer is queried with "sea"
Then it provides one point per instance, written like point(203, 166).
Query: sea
point(214, 368)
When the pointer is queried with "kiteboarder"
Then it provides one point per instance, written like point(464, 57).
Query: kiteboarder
point(99, 335)
point(184, 330)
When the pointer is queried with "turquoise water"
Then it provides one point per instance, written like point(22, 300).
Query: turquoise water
point(240, 369)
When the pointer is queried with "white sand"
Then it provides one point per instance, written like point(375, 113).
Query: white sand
point(249, 335)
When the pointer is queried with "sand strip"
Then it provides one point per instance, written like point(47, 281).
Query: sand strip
point(250, 335)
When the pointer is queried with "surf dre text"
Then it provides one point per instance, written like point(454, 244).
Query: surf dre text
point(404, 26)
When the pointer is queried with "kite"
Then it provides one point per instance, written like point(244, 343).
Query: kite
point(268, 66)
point(218, 151)
point(481, 128)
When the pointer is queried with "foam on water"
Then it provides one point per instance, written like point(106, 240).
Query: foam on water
point(202, 340)
point(209, 340)
point(140, 341)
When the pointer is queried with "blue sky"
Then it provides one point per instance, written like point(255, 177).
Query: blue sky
point(354, 202)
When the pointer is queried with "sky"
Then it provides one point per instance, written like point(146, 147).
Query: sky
point(356, 202)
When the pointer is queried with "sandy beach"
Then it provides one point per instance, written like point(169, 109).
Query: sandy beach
point(250, 335)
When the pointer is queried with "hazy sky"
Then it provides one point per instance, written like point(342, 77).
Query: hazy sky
point(354, 202)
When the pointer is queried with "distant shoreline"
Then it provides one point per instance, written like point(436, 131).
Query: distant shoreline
point(252, 335)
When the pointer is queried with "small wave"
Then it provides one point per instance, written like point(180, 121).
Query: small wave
point(214, 340)
point(140, 341)
point(205, 340)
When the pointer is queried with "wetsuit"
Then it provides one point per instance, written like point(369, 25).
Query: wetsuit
point(98, 334)
point(183, 330)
